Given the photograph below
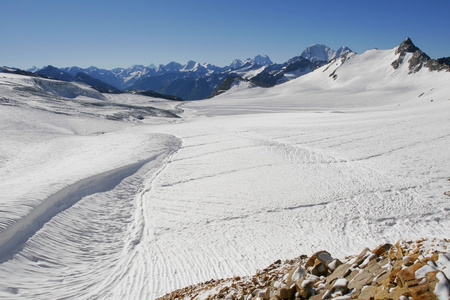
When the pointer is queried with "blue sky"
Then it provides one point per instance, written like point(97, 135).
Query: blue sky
point(112, 34)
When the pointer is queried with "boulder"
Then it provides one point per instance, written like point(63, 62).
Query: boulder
point(304, 288)
point(323, 256)
point(340, 272)
point(340, 287)
point(319, 268)
point(361, 257)
point(383, 248)
point(360, 280)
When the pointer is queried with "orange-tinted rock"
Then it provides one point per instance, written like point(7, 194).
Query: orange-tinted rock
point(360, 280)
point(340, 272)
point(382, 249)
point(323, 256)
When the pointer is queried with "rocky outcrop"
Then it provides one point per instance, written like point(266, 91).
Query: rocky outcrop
point(406, 270)
point(231, 81)
point(419, 59)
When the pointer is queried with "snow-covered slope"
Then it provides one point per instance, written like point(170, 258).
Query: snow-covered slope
point(348, 156)
point(354, 80)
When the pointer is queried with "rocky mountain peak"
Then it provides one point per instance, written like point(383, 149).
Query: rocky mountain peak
point(53, 72)
point(407, 46)
point(418, 59)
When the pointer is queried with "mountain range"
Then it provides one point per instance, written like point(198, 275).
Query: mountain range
point(195, 81)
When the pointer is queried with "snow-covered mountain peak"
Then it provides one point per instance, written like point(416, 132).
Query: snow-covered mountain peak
point(136, 68)
point(342, 50)
point(93, 69)
point(33, 69)
point(192, 66)
point(262, 60)
point(237, 63)
point(318, 52)
point(172, 67)
point(258, 60)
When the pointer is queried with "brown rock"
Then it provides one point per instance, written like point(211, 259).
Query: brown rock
point(318, 296)
point(395, 293)
point(340, 287)
point(361, 257)
point(323, 256)
point(374, 268)
point(382, 249)
point(405, 275)
point(383, 262)
point(410, 259)
point(400, 253)
point(334, 264)
point(426, 296)
point(367, 294)
point(412, 282)
point(296, 274)
point(264, 294)
point(319, 268)
point(360, 280)
point(286, 293)
point(418, 290)
point(340, 272)
point(381, 277)
point(435, 257)
point(408, 274)
point(393, 275)
point(352, 275)
point(304, 288)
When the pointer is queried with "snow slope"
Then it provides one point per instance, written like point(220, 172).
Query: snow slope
point(251, 176)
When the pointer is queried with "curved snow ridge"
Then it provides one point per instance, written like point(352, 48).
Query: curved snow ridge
point(22, 230)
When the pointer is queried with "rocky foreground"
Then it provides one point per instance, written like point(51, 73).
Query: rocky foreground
point(407, 270)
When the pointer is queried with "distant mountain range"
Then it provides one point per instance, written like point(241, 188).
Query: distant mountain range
point(195, 81)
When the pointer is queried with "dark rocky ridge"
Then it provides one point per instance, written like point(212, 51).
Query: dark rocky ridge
point(21, 72)
point(228, 83)
point(419, 59)
point(102, 87)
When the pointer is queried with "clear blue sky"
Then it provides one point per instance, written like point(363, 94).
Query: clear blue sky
point(112, 34)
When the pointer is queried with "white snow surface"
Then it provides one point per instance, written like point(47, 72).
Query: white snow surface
point(243, 179)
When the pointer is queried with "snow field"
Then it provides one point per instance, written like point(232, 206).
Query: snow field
point(249, 194)
point(244, 179)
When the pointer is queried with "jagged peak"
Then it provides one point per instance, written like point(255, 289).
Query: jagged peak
point(418, 59)
point(407, 46)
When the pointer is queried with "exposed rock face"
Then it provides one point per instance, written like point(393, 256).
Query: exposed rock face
point(419, 59)
point(230, 81)
point(406, 270)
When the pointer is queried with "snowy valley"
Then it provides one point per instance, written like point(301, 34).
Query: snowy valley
point(125, 196)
